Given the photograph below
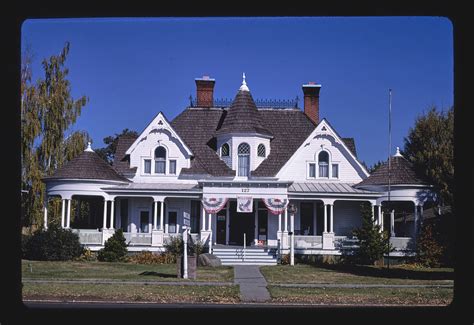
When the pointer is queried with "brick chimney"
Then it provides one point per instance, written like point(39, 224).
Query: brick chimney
point(205, 91)
point(311, 101)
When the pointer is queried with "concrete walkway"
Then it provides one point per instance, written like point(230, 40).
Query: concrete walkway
point(253, 286)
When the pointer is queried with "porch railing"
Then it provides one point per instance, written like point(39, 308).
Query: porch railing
point(303, 241)
point(89, 236)
point(137, 238)
point(402, 243)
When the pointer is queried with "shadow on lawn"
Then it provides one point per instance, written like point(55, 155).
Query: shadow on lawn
point(161, 275)
point(383, 272)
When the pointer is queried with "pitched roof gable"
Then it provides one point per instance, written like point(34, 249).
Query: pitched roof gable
point(324, 127)
point(158, 124)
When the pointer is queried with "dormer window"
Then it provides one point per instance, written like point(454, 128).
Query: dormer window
point(160, 160)
point(244, 160)
point(323, 163)
point(261, 152)
point(225, 150)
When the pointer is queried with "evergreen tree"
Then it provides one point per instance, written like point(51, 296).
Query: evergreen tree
point(115, 248)
point(428, 249)
point(429, 146)
point(372, 243)
point(108, 152)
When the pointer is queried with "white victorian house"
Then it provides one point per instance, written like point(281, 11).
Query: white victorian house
point(230, 170)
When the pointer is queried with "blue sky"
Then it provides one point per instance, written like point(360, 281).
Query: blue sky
point(135, 67)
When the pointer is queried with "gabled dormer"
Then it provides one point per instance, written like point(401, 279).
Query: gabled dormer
point(243, 143)
point(324, 157)
point(158, 153)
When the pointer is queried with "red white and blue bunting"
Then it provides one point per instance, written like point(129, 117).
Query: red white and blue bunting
point(213, 205)
point(276, 206)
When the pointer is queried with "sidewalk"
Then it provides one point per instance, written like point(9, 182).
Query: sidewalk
point(253, 286)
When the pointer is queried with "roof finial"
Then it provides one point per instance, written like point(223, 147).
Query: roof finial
point(89, 149)
point(244, 84)
point(398, 154)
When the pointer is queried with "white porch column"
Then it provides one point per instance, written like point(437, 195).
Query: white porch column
point(331, 218)
point(279, 222)
point(68, 220)
point(325, 218)
point(155, 214)
point(285, 229)
point(421, 214)
point(292, 239)
point(46, 213)
point(112, 223)
point(415, 223)
point(63, 213)
point(105, 214)
point(392, 223)
point(209, 220)
point(380, 221)
point(162, 214)
point(203, 220)
point(373, 212)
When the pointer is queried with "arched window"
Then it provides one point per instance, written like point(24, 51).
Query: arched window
point(225, 150)
point(261, 150)
point(244, 159)
point(323, 163)
point(160, 160)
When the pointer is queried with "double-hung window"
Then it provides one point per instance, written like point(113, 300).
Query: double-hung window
point(323, 163)
point(160, 160)
point(244, 160)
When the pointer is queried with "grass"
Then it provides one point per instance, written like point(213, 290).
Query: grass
point(134, 293)
point(118, 271)
point(303, 273)
point(364, 296)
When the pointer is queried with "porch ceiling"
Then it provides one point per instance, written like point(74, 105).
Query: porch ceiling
point(339, 188)
point(155, 187)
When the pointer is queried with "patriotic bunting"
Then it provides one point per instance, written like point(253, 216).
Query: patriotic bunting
point(213, 205)
point(276, 206)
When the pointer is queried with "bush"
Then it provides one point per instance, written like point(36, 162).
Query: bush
point(174, 246)
point(428, 250)
point(285, 259)
point(54, 244)
point(146, 257)
point(24, 245)
point(87, 256)
point(115, 248)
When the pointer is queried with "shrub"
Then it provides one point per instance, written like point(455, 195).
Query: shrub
point(115, 248)
point(372, 242)
point(87, 256)
point(428, 250)
point(285, 259)
point(54, 244)
point(146, 257)
point(24, 245)
point(174, 246)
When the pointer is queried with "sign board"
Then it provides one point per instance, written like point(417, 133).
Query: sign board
point(244, 204)
point(186, 219)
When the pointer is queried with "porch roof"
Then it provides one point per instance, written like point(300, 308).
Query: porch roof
point(341, 188)
point(155, 187)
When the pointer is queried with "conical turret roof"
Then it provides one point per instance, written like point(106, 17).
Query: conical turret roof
point(243, 116)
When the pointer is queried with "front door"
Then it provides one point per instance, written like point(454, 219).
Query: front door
point(240, 223)
point(221, 226)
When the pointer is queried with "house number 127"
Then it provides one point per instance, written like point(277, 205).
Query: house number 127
point(245, 190)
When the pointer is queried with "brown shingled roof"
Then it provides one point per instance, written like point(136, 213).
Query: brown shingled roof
point(121, 162)
point(401, 172)
point(243, 116)
point(88, 165)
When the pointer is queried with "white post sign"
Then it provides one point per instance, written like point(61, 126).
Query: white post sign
point(186, 219)
point(185, 252)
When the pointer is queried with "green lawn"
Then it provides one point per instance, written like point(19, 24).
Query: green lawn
point(129, 292)
point(302, 273)
point(119, 271)
point(362, 296)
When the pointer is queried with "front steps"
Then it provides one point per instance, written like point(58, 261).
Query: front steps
point(253, 255)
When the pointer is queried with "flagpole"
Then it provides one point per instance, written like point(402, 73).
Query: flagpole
point(389, 169)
